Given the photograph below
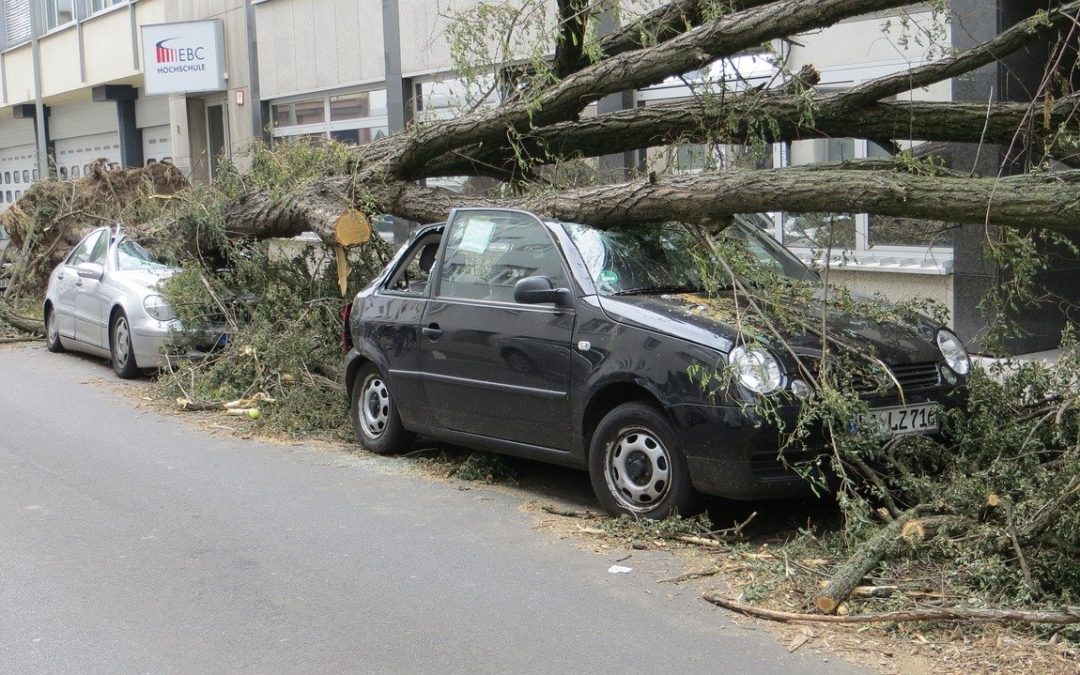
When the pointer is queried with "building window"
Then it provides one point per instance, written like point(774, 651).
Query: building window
point(59, 13)
point(25, 176)
point(16, 22)
point(102, 5)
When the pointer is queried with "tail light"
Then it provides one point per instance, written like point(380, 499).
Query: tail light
point(346, 334)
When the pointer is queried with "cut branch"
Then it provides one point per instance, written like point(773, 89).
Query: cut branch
point(1064, 616)
point(859, 565)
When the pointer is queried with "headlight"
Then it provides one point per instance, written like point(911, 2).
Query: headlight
point(956, 356)
point(156, 307)
point(756, 369)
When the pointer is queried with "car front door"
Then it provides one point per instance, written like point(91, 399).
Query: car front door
point(66, 282)
point(89, 312)
point(492, 366)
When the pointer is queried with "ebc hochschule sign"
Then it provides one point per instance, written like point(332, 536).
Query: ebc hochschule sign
point(183, 57)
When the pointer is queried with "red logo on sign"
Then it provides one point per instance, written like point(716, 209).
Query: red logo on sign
point(166, 55)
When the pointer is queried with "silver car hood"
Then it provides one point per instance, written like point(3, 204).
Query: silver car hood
point(143, 282)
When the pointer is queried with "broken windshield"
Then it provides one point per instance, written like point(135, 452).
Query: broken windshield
point(660, 260)
point(132, 256)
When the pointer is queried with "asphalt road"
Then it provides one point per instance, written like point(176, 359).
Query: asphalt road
point(134, 542)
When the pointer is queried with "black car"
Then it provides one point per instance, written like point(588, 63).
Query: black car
point(503, 331)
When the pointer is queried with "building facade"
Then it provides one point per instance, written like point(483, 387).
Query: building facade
point(81, 80)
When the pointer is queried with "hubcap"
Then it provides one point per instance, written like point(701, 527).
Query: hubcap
point(374, 407)
point(638, 470)
point(121, 342)
point(54, 334)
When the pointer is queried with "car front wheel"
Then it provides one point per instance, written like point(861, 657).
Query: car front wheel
point(52, 332)
point(375, 416)
point(636, 466)
point(123, 356)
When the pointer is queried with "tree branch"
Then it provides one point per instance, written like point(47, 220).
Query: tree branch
point(570, 46)
point(1003, 44)
point(769, 118)
point(694, 49)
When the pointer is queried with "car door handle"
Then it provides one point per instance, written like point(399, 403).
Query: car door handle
point(433, 332)
point(60, 277)
point(78, 282)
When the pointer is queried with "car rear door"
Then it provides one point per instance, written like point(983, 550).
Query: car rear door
point(492, 366)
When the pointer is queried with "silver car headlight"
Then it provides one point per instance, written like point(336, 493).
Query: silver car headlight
point(756, 368)
point(158, 308)
point(956, 355)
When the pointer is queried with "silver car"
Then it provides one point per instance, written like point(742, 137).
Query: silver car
point(105, 300)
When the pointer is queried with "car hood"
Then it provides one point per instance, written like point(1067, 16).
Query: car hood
point(686, 316)
point(143, 282)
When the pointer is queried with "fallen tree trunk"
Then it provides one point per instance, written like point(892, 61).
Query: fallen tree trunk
point(1064, 616)
point(859, 565)
point(1045, 201)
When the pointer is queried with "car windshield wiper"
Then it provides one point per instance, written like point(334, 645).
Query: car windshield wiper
point(657, 289)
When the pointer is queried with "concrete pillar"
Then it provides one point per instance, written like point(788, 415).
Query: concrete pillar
point(1016, 78)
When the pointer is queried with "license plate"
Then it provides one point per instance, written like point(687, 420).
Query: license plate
point(900, 420)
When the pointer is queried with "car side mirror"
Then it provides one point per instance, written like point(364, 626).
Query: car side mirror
point(89, 270)
point(535, 290)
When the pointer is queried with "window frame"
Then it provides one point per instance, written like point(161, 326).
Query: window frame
point(53, 14)
point(451, 226)
point(402, 266)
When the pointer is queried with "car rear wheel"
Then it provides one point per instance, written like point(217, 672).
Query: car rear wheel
point(375, 416)
point(637, 467)
point(123, 356)
point(52, 332)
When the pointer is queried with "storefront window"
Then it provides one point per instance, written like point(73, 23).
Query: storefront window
point(282, 114)
point(819, 230)
point(350, 107)
point(309, 112)
point(355, 118)
point(890, 231)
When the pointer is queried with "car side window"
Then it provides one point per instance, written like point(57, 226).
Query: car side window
point(82, 252)
point(97, 254)
point(414, 272)
point(490, 251)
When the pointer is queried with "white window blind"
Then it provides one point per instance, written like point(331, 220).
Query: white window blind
point(16, 22)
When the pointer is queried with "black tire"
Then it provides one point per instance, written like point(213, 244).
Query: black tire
point(123, 355)
point(633, 446)
point(52, 332)
point(375, 416)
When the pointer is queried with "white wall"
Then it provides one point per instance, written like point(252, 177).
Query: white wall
point(312, 45)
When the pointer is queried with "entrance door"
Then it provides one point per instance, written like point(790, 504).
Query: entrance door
point(217, 133)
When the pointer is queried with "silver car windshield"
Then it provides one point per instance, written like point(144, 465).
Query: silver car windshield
point(131, 256)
